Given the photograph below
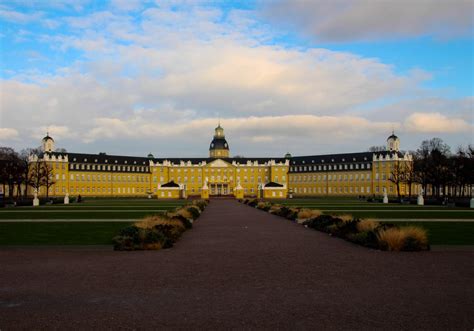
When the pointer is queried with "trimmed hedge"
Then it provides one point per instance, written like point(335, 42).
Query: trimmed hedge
point(159, 231)
point(375, 235)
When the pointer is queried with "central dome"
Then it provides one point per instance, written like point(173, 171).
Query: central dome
point(219, 146)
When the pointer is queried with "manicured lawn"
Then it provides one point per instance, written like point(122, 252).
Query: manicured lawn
point(77, 233)
point(447, 233)
point(93, 209)
point(60, 233)
point(81, 214)
point(440, 233)
point(378, 210)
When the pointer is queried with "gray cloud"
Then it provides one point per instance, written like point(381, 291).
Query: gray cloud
point(159, 84)
point(355, 20)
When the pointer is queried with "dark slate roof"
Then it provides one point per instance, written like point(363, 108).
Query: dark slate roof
point(392, 136)
point(273, 184)
point(170, 184)
point(144, 161)
point(107, 159)
point(331, 158)
point(240, 160)
point(298, 162)
point(218, 143)
point(47, 137)
point(338, 158)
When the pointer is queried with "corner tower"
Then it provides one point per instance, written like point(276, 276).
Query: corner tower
point(47, 143)
point(219, 147)
point(393, 143)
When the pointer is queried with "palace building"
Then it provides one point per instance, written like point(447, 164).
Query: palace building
point(349, 174)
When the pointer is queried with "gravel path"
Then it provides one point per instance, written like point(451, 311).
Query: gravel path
point(238, 268)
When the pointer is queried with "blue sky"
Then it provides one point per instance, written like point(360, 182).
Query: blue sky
point(305, 77)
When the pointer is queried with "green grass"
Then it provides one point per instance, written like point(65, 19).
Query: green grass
point(77, 233)
point(447, 233)
point(61, 233)
point(378, 210)
point(93, 209)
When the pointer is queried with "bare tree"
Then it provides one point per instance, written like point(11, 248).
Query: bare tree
point(47, 176)
point(409, 176)
point(35, 175)
point(25, 166)
point(397, 175)
point(10, 168)
point(41, 174)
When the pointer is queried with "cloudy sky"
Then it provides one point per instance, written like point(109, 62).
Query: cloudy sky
point(309, 77)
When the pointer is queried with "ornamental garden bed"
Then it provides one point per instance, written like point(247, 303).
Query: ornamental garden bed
point(159, 231)
point(366, 232)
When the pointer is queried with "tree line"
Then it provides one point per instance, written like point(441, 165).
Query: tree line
point(17, 174)
point(439, 171)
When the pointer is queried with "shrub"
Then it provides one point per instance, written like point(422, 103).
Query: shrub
point(366, 225)
point(410, 238)
point(246, 201)
point(171, 229)
point(292, 213)
point(345, 218)
point(123, 243)
point(187, 223)
point(194, 211)
point(130, 238)
point(320, 223)
point(344, 226)
point(149, 222)
point(253, 203)
point(416, 238)
point(263, 205)
point(200, 203)
point(305, 214)
point(274, 208)
point(183, 212)
point(391, 239)
point(282, 211)
point(156, 232)
point(365, 238)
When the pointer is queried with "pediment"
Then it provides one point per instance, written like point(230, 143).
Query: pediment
point(219, 163)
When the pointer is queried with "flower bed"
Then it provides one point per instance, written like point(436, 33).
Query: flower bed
point(366, 232)
point(159, 231)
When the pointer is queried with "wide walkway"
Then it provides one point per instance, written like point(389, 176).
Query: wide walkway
point(238, 268)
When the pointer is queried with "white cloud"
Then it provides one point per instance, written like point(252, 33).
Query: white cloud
point(347, 20)
point(57, 131)
point(161, 81)
point(8, 134)
point(436, 123)
point(126, 5)
point(19, 17)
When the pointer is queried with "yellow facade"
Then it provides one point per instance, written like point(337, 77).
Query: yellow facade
point(169, 193)
point(275, 192)
point(324, 175)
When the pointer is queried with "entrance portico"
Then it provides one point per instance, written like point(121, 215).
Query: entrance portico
point(219, 189)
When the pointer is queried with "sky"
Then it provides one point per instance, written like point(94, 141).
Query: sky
point(313, 77)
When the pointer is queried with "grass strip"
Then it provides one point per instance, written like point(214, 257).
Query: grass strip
point(60, 233)
point(446, 233)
